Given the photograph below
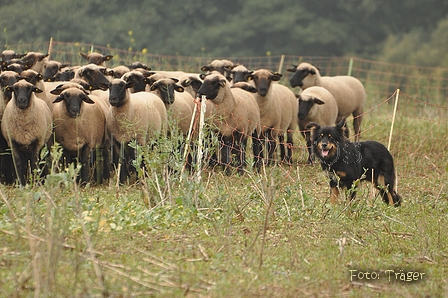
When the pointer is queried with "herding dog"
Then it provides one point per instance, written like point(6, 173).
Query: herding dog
point(347, 162)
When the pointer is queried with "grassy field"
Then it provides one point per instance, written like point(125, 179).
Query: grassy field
point(272, 234)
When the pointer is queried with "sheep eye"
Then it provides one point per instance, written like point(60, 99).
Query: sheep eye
point(330, 136)
point(321, 135)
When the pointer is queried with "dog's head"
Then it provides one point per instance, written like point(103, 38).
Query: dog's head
point(327, 140)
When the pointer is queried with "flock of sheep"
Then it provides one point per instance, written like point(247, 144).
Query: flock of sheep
point(91, 106)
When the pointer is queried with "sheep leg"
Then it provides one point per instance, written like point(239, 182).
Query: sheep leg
point(242, 153)
point(281, 140)
point(357, 119)
point(272, 144)
point(85, 152)
point(19, 164)
point(226, 145)
point(289, 145)
point(256, 149)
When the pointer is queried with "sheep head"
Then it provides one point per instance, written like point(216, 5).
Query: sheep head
point(211, 86)
point(23, 92)
point(8, 55)
point(165, 88)
point(31, 58)
point(93, 74)
point(305, 71)
point(305, 105)
point(31, 76)
point(117, 92)
point(73, 98)
point(96, 58)
point(262, 79)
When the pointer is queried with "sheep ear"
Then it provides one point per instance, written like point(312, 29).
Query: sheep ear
point(108, 57)
point(58, 99)
point(318, 101)
point(186, 82)
point(294, 69)
point(202, 76)
point(223, 82)
point(178, 88)
point(205, 68)
point(57, 90)
point(87, 99)
point(251, 89)
point(312, 127)
point(175, 80)
point(129, 84)
point(37, 90)
point(249, 77)
point(276, 76)
point(84, 56)
point(41, 57)
point(154, 86)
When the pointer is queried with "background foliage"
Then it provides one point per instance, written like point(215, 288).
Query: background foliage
point(411, 31)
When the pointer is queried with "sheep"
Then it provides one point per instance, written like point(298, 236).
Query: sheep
point(118, 71)
point(222, 66)
point(17, 67)
point(35, 78)
point(26, 126)
point(35, 61)
point(278, 112)
point(96, 58)
point(348, 91)
point(137, 78)
point(137, 116)
point(138, 64)
point(238, 116)
point(177, 102)
point(316, 104)
point(51, 68)
point(7, 55)
point(191, 84)
point(7, 78)
point(238, 73)
point(79, 126)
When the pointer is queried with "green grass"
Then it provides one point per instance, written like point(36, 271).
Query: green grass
point(272, 234)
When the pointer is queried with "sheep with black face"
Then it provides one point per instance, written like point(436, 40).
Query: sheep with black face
point(348, 91)
point(237, 117)
point(26, 126)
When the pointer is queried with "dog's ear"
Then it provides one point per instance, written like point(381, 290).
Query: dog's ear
point(341, 127)
point(311, 128)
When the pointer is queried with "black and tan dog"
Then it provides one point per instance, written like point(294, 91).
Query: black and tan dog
point(347, 162)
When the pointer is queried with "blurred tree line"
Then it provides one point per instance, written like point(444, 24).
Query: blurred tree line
point(400, 31)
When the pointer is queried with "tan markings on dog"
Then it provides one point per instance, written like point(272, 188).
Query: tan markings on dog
point(381, 182)
point(341, 174)
point(334, 196)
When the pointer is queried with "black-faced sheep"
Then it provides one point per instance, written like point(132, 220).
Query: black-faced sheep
point(177, 102)
point(316, 104)
point(278, 112)
point(118, 71)
point(35, 78)
point(96, 58)
point(222, 66)
point(137, 116)
point(239, 73)
point(35, 61)
point(26, 126)
point(51, 69)
point(79, 126)
point(237, 116)
point(138, 79)
point(8, 55)
point(348, 91)
point(138, 64)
